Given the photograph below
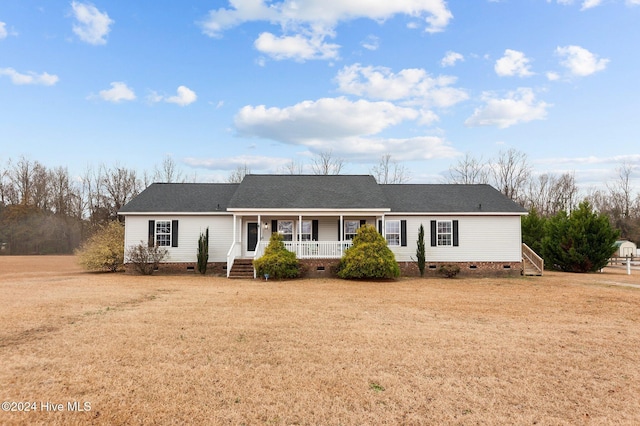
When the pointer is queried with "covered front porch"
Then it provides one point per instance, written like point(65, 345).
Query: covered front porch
point(312, 235)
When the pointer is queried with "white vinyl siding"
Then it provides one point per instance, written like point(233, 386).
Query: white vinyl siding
point(481, 239)
point(220, 235)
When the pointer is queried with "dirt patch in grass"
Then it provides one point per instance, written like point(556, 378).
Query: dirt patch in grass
point(557, 349)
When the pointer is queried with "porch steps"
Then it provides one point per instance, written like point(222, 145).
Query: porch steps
point(530, 269)
point(242, 269)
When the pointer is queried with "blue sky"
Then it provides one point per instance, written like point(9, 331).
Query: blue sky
point(218, 84)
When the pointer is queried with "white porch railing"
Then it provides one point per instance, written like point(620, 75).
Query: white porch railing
point(234, 251)
point(310, 249)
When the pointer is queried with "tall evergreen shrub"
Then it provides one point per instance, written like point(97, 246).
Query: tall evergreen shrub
point(203, 252)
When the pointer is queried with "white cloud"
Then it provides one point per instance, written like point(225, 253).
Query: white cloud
point(412, 86)
point(513, 63)
point(371, 43)
point(579, 61)
point(450, 59)
point(119, 92)
point(92, 25)
point(517, 107)
point(253, 162)
point(297, 47)
point(44, 79)
point(553, 76)
point(633, 2)
point(3, 30)
point(184, 97)
point(346, 127)
point(588, 4)
point(307, 24)
point(325, 13)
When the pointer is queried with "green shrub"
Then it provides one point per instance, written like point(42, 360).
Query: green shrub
point(277, 261)
point(368, 257)
point(582, 241)
point(146, 259)
point(420, 251)
point(449, 270)
point(203, 252)
point(104, 250)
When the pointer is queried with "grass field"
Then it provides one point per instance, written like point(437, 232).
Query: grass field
point(551, 350)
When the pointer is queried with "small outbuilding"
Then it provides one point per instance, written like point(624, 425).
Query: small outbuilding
point(625, 248)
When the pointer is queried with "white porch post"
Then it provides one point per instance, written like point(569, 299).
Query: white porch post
point(299, 237)
point(259, 232)
point(341, 232)
point(235, 231)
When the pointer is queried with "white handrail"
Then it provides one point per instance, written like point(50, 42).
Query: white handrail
point(231, 257)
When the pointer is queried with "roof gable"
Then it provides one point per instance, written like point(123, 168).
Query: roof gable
point(307, 192)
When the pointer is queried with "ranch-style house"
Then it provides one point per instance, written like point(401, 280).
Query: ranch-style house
point(473, 226)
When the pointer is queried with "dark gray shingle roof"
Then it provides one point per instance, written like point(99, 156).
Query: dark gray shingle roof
point(319, 192)
point(448, 198)
point(182, 197)
point(308, 191)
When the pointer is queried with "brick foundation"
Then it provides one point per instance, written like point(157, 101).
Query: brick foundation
point(467, 269)
point(325, 268)
point(319, 268)
point(213, 268)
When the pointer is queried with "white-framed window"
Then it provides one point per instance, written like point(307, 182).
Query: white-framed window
point(444, 233)
point(163, 233)
point(306, 230)
point(351, 228)
point(392, 232)
point(285, 227)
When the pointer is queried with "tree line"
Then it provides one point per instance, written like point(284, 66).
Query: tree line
point(549, 194)
point(47, 210)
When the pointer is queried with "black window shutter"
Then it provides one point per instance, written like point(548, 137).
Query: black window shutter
point(433, 233)
point(174, 233)
point(380, 227)
point(363, 222)
point(403, 233)
point(339, 236)
point(151, 241)
point(455, 233)
point(314, 230)
point(274, 226)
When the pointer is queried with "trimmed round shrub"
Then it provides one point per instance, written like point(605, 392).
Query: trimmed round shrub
point(369, 257)
point(277, 261)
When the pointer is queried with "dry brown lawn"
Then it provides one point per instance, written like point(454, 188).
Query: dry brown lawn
point(552, 350)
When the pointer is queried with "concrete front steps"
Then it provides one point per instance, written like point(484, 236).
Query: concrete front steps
point(242, 269)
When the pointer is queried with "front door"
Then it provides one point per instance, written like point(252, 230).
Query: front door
point(252, 236)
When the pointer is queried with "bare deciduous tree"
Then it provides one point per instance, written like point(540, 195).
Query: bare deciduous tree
point(511, 173)
point(324, 163)
point(238, 174)
point(389, 171)
point(469, 170)
point(548, 194)
point(119, 186)
point(292, 168)
point(168, 171)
